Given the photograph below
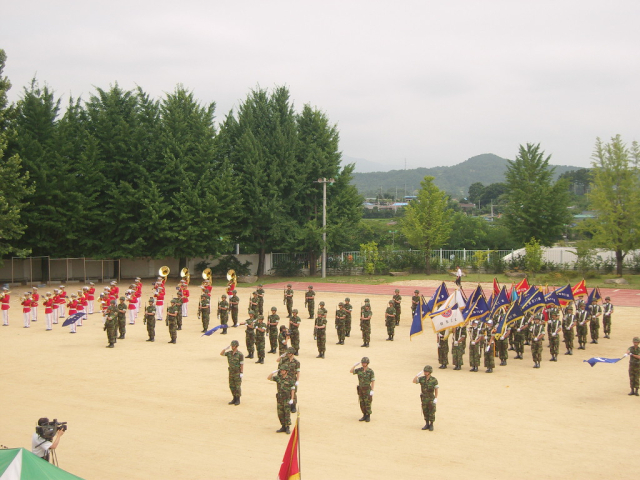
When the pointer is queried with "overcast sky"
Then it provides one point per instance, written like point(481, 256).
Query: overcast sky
point(429, 83)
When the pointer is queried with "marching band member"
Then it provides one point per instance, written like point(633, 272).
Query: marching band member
point(6, 296)
point(185, 298)
point(159, 295)
point(79, 308)
point(35, 298)
point(91, 295)
point(56, 305)
point(26, 310)
point(48, 311)
point(62, 296)
point(133, 306)
point(138, 294)
point(72, 307)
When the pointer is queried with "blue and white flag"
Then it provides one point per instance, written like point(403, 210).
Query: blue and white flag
point(213, 330)
point(449, 315)
point(73, 319)
point(594, 360)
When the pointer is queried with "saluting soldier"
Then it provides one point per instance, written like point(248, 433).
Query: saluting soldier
point(537, 337)
point(284, 397)
point(459, 346)
point(320, 330)
point(110, 328)
point(607, 311)
point(150, 319)
point(443, 349)
point(554, 326)
point(474, 346)
point(428, 396)
point(347, 318)
point(390, 320)
point(204, 310)
point(595, 311)
point(397, 299)
point(634, 366)
point(272, 323)
point(366, 383)
point(289, 362)
point(365, 324)
point(260, 300)
point(236, 368)
point(172, 320)
point(309, 301)
point(261, 328)
point(568, 322)
point(233, 306)
point(250, 334)
point(288, 296)
point(223, 312)
point(294, 330)
point(340, 323)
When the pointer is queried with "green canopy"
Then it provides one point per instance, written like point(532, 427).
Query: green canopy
point(21, 464)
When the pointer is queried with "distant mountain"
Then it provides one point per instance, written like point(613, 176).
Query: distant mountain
point(362, 165)
point(455, 180)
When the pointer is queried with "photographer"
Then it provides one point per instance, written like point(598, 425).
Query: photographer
point(46, 438)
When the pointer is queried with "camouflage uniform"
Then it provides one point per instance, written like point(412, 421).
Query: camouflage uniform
point(390, 320)
point(607, 310)
point(179, 304)
point(581, 329)
point(396, 304)
point(459, 345)
point(554, 340)
point(309, 300)
point(261, 328)
point(285, 386)
point(365, 324)
point(489, 348)
point(567, 331)
point(443, 349)
point(321, 333)
point(204, 307)
point(594, 321)
point(474, 347)
point(236, 360)
point(122, 318)
point(536, 345)
point(223, 311)
point(521, 327)
point(428, 395)
point(254, 305)
point(172, 320)
point(233, 306)
point(294, 330)
point(341, 316)
point(415, 301)
point(282, 340)
point(150, 320)
point(292, 366)
point(348, 308)
point(272, 322)
point(288, 295)
point(110, 328)
point(634, 368)
point(365, 378)
point(250, 335)
point(260, 300)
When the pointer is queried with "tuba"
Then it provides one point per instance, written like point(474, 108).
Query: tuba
point(184, 273)
point(164, 272)
point(206, 274)
point(233, 281)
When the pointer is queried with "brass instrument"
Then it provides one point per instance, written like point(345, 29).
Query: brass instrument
point(232, 277)
point(206, 274)
point(164, 272)
point(184, 273)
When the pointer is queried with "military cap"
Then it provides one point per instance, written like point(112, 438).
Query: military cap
point(428, 368)
point(235, 343)
point(260, 285)
point(260, 317)
point(273, 309)
point(321, 303)
point(224, 296)
point(295, 310)
point(397, 290)
point(569, 308)
point(347, 299)
point(121, 298)
point(364, 360)
point(416, 291)
point(234, 292)
point(636, 339)
point(366, 300)
point(390, 302)
point(291, 350)
point(288, 285)
point(607, 298)
point(341, 304)
point(311, 286)
point(151, 299)
point(174, 300)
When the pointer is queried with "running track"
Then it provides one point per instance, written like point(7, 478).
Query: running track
point(619, 297)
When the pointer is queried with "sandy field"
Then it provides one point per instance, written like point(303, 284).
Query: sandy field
point(159, 411)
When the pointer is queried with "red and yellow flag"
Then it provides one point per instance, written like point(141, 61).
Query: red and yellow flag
point(290, 468)
point(579, 289)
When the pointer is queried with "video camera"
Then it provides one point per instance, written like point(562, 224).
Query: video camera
point(48, 430)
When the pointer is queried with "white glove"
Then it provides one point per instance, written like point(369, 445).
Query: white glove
point(435, 400)
point(555, 334)
point(473, 343)
point(502, 337)
point(240, 375)
point(356, 364)
point(371, 392)
point(296, 383)
point(419, 373)
point(455, 344)
point(290, 402)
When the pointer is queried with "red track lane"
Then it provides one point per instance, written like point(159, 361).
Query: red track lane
point(619, 297)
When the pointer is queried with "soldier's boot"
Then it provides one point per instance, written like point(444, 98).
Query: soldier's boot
point(237, 400)
point(392, 335)
point(489, 370)
point(431, 426)
point(348, 334)
point(637, 394)
point(339, 342)
point(282, 429)
point(364, 417)
point(426, 426)
point(322, 354)
point(233, 401)
point(473, 369)
point(632, 392)
point(388, 338)
point(111, 346)
point(319, 355)
point(286, 430)
point(150, 339)
point(571, 352)
point(366, 344)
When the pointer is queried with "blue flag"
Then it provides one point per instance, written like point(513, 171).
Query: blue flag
point(594, 360)
point(441, 296)
point(477, 310)
point(536, 300)
point(213, 330)
point(524, 298)
point(514, 314)
point(594, 296)
point(552, 299)
point(565, 293)
point(501, 300)
point(73, 319)
point(418, 316)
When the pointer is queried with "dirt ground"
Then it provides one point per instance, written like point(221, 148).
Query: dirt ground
point(159, 411)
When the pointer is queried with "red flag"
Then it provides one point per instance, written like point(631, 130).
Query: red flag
point(579, 289)
point(523, 286)
point(290, 468)
point(496, 288)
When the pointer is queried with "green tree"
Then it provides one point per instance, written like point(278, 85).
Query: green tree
point(467, 232)
point(427, 221)
point(536, 207)
point(475, 192)
point(492, 193)
point(615, 196)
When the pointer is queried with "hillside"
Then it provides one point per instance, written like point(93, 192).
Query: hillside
point(455, 180)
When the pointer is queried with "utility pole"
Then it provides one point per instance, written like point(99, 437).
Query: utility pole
point(324, 182)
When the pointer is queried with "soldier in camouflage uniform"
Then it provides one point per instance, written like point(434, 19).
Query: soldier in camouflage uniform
point(502, 344)
point(365, 324)
point(554, 326)
point(204, 310)
point(320, 330)
point(595, 311)
point(283, 336)
point(390, 320)
point(294, 330)
point(489, 346)
point(110, 328)
point(254, 304)
point(582, 317)
point(537, 337)
point(236, 367)
point(340, 320)
point(347, 319)
point(233, 306)
point(443, 349)
point(397, 299)
point(459, 346)
point(150, 319)
point(428, 396)
point(260, 300)
point(250, 334)
point(261, 329)
point(284, 397)
point(288, 297)
point(366, 383)
point(179, 303)
point(172, 320)
point(223, 312)
point(289, 362)
point(272, 323)
point(309, 301)
point(607, 310)
point(122, 318)
point(415, 302)
point(568, 322)
point(474, 346)
point(521, 328)
point(634, 366)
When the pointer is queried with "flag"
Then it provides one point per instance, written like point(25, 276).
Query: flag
point(73, 319)
point(290, 467)
point(477, 292)
point(524, 298)
point(552, 299)
point(565, 294)
point(476, 310)
point(496, 287)
point(450, 315)
point(500, 300)
point(523, 286)
point(514, 314)
point(594, 360)
point(213, 330)
point(579, 289)
point(534, 302)
point(440, 296)
point(514, 294)
point(418, 317)
point(594, 296)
